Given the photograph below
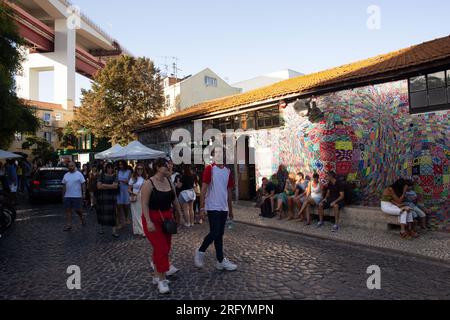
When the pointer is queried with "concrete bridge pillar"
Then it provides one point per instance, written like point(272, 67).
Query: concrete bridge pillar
point(62, 62)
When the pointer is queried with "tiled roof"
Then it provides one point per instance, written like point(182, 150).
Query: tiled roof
point(353, 73)
point(44, 105)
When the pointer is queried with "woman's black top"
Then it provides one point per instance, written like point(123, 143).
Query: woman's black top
point(160, 200)
point(188, 183)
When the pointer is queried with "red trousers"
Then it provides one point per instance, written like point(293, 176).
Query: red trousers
point(160, 241)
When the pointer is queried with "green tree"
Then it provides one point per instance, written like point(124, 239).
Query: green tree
point(68, 136)
point(125, 94)
point(15, 116)
point(42, 149)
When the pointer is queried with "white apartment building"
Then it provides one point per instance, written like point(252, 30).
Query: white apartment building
point(184, 93)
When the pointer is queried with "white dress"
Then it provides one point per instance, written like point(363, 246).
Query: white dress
point(136, 207)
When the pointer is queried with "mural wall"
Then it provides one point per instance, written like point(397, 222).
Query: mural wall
point(369, 135)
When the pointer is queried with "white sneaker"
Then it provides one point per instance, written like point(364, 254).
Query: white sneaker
point(155, 281)
point(163, 286)
point(199, 259)
point(172, 271)
point(187, 225)
point(226, 265)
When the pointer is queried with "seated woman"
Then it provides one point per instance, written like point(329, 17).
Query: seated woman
point(301, 188)
point(392, 203)
point(284, 199)
point(314, 195)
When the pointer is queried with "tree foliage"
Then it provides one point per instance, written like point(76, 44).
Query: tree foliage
point(15, 116)
point(68, 136)
point(42, 149)
point(125, 94)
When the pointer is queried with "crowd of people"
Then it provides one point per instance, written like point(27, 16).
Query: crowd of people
point(15, 177)
point(113, 190)
point(292, 196)
point(155, 193)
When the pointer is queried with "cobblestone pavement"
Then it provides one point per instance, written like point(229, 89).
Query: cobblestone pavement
point(434, 245)
point(35, 254)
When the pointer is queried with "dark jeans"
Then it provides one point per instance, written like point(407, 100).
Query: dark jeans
point(217, 221)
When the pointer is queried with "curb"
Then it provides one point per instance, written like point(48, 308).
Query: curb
point(396, 252)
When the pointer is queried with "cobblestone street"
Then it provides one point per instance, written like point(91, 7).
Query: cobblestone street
point(35, 254)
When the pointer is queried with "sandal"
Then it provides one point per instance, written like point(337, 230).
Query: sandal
point(67, 228)
point(414, 234)
point(405, 235)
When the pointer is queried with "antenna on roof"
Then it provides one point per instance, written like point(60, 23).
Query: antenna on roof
point(175, 68)
point(166, 66)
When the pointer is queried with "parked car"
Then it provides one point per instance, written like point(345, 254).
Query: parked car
point(46, 184)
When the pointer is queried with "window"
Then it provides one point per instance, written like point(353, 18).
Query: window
point(268, 118)
point(430, 92)
point(168, 104)
point(210, 82)
point(47, 116)
point(58, 117)
point(48, 136)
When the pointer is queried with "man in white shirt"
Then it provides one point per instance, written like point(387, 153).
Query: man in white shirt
point(74, 191)
point(216, 200)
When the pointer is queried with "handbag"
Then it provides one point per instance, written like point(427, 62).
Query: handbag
point(133, 196)
point(169, 226)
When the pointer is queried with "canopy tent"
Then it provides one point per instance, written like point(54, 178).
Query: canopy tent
point(105, 154)
point(8, 155)
point(137, 151)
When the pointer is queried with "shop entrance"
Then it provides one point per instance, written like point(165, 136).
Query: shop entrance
point(246, 169)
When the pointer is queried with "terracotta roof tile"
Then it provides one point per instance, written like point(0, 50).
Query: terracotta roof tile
point(44, 105)
point(414, 56)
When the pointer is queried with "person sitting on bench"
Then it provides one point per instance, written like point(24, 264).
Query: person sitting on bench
point(268, 199)
point(334, 199)
point(392, 203)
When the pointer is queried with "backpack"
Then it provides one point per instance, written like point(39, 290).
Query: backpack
point(349, 193)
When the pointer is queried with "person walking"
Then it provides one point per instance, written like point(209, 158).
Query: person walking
point(187, 195)
point(12, 179)
point(92, 186)
point(74, 191)
point(158, 199)
point(106, 200)
point(135, 186)
point(216, 200)
point(123, 198)
point(197, 189)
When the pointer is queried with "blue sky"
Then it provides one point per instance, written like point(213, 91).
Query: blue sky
point(243, 39)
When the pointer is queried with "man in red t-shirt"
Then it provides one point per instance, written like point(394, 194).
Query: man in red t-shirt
point(216, 200)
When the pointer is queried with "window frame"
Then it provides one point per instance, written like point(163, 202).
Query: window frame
point(210, 82)
point(429, 107)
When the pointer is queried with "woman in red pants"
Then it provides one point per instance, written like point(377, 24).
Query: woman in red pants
point(158, 199)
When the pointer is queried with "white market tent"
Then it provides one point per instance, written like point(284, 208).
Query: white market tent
point(8, 155)
point(137, 151)
point(105, 154)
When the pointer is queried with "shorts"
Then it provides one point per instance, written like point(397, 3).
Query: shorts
point(73, 203)
point(327, 204)
point(317, 200)
point(187, 196)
